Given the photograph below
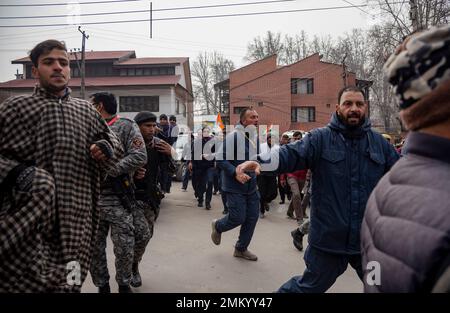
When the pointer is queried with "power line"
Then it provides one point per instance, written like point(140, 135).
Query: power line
point(195, 17)
point(146, 11)
point(34, 33)
point(140, 43)
point(59, 4)
point(223, 5)
point(356, 7)
point(172, 41)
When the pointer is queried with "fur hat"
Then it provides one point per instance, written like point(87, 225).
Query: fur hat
point(419, 71)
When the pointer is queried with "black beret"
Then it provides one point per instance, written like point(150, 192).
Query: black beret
point(144, 116)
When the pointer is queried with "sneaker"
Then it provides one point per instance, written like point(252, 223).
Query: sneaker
point(125, 289)
point(215, 235)
point(104, 289)
point(245, 255)
point(297, 237)
point(136, 280)
point(208, 206)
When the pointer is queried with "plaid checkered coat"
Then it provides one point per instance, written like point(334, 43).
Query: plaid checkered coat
point(46, 235)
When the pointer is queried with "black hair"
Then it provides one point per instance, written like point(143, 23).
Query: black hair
point(107, 99)
point(163, 117)
point(173, 118)
point(45, 47)
point(349, 88)
point(297, 133)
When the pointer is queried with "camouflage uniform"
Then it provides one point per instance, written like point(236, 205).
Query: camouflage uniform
point(129, 230)
point(147, 190)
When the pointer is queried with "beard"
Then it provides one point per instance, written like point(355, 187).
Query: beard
point(55, 89)
point(352, 125)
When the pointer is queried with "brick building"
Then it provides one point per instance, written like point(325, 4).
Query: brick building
point(301, 95)
point(160, 85)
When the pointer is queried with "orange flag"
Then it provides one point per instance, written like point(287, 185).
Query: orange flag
point(219, 122)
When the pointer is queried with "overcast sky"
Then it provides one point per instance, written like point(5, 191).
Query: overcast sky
point(184, 38)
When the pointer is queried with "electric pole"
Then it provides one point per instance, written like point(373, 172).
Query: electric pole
point(83, 60)
point(151, 19)
point(344, 71)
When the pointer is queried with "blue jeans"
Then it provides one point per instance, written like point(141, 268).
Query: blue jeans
point(243, 210)
point(222, 193)
point(322, 270)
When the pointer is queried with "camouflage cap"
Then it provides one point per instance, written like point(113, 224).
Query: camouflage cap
point(420, 64)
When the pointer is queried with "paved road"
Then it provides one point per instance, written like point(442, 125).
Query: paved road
point(182, 258)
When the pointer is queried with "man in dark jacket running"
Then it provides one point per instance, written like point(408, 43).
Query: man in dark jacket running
point(347, 159)
point(242, 194)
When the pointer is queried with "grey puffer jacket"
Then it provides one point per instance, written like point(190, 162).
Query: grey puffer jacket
point(406, 227)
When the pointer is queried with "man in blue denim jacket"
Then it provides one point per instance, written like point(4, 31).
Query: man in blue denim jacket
point(347, 159)
point(241, 190)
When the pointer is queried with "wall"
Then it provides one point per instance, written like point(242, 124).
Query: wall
point(253, 71)
point(271, 95)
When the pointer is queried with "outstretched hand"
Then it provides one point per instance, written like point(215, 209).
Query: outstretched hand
point(248, 166)
point(242, 178)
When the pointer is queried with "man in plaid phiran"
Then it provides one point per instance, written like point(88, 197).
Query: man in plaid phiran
point(54, 150)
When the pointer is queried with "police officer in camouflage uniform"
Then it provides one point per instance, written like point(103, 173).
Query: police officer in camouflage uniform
point(129, 229)
point(148, 194)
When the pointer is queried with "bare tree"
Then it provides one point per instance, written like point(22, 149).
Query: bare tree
point(295, 48)
point(323, 45)
point(220, 70)
point(261, 48)
point(407, 17)
point(208, 69)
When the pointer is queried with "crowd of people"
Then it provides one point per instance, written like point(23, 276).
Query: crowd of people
point(71, 171)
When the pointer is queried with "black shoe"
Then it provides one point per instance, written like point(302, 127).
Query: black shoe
point(225, 212)
point(200, 204)
point(208, 206)
point(297, 237)
point(104, 289)
point(281, 202)
point(214, 192)
point(136, 280)
point(125, 289)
